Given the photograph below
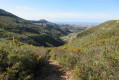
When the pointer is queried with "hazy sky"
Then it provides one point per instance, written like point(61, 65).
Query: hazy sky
point(64, 10)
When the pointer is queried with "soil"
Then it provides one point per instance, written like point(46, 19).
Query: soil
point(57, 72)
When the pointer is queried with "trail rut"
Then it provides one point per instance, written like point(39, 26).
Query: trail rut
point(57, 72)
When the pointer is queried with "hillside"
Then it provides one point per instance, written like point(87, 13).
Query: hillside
point(5, 13)
point(41, 21)
point(94, 55)
point(33, 50)
point(72, 28)
point(19, 56)
point(70, 37)
point(45, 34)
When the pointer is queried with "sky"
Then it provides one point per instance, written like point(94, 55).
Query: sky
point(64, 10)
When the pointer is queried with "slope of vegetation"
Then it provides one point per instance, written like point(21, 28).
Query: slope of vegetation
point(22, 62)
point(71, 28)
point(94, 55)
point(45, 34)
point(28, 32)
point(20, 59)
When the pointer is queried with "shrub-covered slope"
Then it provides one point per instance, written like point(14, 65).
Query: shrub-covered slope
point(22, 62)
point(94, 55)
point(19, 60)
point(46, 34)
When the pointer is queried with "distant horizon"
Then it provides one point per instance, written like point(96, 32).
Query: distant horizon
point(61, 22)
point(64, 10)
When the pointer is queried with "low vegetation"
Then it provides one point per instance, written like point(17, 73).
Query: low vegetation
point(94, 55)
point(37, 33)
point(21, 61)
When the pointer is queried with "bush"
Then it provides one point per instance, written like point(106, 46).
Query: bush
point(18, 62)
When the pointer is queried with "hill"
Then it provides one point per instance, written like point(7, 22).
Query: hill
point(19, 56)
point(5, 13)
point(41, 21)
point(91, 55)
point(45, 34)
point(94, 54)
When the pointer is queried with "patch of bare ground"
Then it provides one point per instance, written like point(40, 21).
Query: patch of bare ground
point(57, 72)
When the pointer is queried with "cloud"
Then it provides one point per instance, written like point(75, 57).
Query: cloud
point(24, 7)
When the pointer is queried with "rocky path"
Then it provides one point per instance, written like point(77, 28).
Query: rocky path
point(57, 72)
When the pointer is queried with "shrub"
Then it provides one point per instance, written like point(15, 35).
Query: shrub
point(18, 62)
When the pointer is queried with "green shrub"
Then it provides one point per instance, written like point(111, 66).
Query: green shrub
point(18, 62)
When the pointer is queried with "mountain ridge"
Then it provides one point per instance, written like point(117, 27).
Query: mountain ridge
point(31, 32)
point(5, 13)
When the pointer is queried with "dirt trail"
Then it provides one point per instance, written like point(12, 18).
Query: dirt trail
point(57, 72)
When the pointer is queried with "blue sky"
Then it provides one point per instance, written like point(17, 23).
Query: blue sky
point(64, 10)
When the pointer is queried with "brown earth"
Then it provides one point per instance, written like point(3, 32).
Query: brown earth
point(57, 72)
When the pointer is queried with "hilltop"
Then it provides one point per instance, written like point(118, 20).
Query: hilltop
point(5, 13)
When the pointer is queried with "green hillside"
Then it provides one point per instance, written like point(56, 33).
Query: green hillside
point(46, 34)
point(26, 47)
point(94, 55)
point(20, 59)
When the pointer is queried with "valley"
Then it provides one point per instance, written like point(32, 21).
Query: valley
point(42, 50)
